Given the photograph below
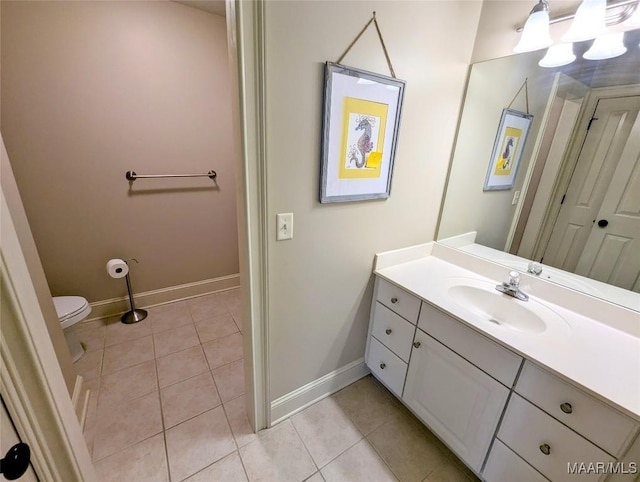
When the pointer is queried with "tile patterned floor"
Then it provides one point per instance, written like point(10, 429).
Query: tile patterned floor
point(168, 404)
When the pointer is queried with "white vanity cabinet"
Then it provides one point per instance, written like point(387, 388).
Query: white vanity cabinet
point(454, 379)
point(507, 418)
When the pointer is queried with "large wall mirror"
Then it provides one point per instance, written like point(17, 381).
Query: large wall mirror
point(575, 201)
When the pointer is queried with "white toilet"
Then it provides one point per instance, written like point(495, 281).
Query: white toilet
point(71, 310)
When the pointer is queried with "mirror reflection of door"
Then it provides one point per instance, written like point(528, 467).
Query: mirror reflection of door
point(605, 186)
point(8, 438)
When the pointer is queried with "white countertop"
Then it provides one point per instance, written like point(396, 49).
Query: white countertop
point(595, 355)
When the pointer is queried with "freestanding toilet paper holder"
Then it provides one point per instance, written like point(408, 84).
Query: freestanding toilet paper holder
point(135, 314)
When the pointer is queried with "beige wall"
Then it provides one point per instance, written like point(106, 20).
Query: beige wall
point(19, 218)
point(93, 89)
point(320, 282)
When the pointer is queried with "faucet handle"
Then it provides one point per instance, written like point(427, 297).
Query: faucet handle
point(534, 268)
point(514, 279)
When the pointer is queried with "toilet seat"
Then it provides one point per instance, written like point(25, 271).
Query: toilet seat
point(71, 309)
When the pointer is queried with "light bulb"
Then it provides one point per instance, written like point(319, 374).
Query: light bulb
point(558, 55)
point(535, 35)
point(589, 21)
point(606, 46)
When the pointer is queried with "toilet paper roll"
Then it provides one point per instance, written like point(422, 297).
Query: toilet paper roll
point(117, 268)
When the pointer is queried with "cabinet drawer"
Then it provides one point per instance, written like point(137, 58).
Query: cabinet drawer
point(528, 431)
point(393, 331)
point(386, 366)
point(505, 466)
point(487, 355)
point(588, 416)
point(398, 300)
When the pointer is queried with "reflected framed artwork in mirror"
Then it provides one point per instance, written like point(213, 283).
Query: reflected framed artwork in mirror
point(507, 150)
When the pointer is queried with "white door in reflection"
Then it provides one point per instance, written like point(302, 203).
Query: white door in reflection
point(596, 190)
point(615, 236)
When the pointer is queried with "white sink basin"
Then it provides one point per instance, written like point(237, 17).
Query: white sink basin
point(482, 299)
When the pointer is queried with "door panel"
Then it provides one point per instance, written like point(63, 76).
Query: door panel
point(594, 172)
point(612, 252)
point(8, 438)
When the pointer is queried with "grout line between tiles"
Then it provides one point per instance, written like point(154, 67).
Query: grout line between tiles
point(224, 410)
point(345, 450)
point(380, 455)
point(246, 474)
point(164, 429)
point(128, 447)
point(303, 444)
point(362, 437)
point(166, 454)
point(232, 399)
point(222, 366)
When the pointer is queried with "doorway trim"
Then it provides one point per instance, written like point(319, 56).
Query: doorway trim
point(569, 163)
point(246, 40)
point(31, 381)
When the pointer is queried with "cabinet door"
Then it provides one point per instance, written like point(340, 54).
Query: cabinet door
point(459, 402)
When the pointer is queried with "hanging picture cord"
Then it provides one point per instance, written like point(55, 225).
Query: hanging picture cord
point(384, 48)
point(525, 86)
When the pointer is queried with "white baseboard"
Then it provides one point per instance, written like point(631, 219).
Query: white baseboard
point(299, 399)
point(117, 306)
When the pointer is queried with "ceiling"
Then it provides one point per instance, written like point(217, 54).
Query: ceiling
point(216, 7)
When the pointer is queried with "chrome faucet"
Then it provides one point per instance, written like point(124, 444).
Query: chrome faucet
point(534, 268)
point(512, 288)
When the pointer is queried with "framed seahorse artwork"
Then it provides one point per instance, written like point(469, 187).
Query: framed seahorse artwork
point(359, 134)
point(507, 150)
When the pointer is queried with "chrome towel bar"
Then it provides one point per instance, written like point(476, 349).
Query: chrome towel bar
point(132, 175)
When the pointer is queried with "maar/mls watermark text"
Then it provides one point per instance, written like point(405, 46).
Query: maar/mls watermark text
point(602, 468)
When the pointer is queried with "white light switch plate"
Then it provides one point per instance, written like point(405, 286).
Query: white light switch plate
point(516, 197)
point(284, 226)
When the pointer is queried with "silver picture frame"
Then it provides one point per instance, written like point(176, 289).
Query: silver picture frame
point(361, 120)
point(510, 142)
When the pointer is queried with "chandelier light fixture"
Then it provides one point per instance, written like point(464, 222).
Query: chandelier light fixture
point(590, 21)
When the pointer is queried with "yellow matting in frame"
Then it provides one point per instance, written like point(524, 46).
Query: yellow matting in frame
point(508, 150)
point(351, 153)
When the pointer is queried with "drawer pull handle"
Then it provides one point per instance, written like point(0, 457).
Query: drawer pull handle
point(383, 366)
point(545, 449)
point(388, 331)
point(416, 344)
point(566, 407)
point(394, 300)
